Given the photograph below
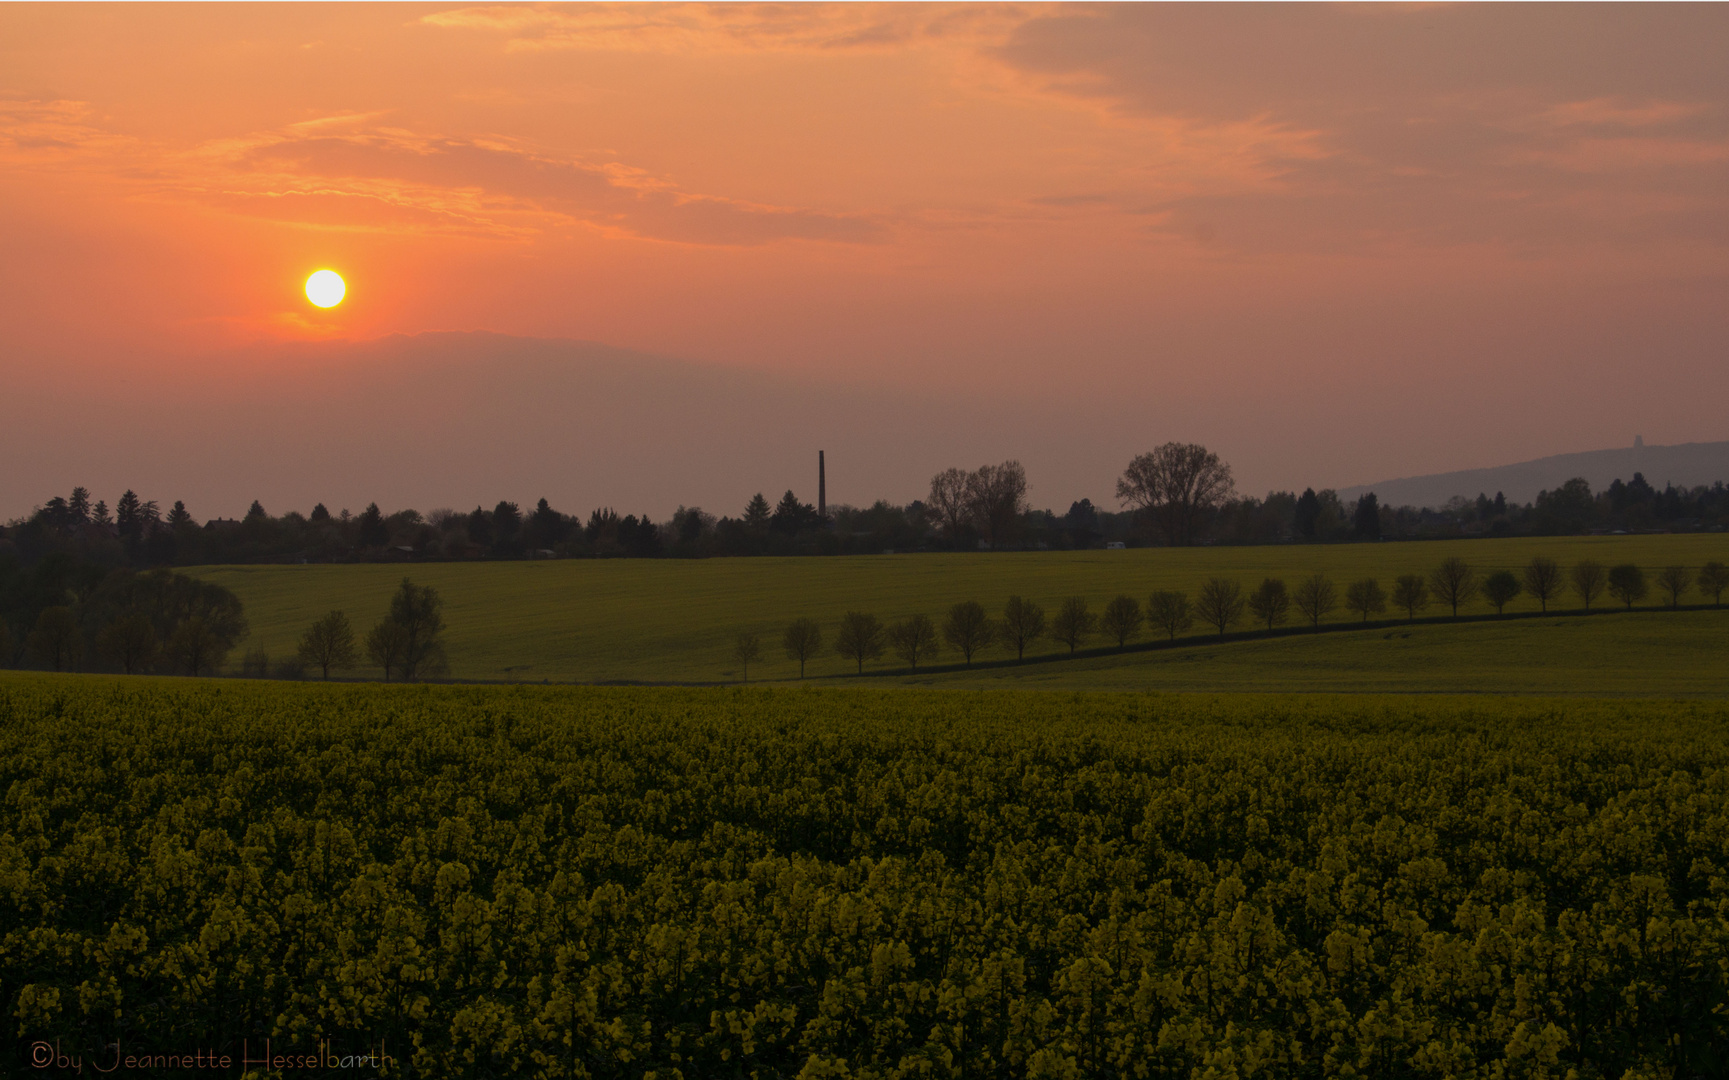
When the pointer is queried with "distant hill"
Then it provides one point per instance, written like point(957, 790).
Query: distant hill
point(1685, 465)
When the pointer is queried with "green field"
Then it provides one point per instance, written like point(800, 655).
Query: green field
point(884, 884)
point(664, 620)
point(1637, 654)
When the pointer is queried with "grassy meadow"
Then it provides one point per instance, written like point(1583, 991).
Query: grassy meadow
point(656, 620)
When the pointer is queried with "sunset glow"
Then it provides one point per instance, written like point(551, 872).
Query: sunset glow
point(1322, 240)
point(325, 288)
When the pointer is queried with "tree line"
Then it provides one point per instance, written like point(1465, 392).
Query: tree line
point(1220, 605)
point(1176, 494)
point(66, 616)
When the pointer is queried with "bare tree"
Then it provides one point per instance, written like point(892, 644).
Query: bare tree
point(1675, 581)
point(1713, 579)
point(1122, 619)
point(947, 503)
point(1074, 623)
point(914, 638)
point(329, 643)
point(54, 641)
point(997, 497)
point(969, 629)
point(1220, 603)
point(1543, 580)
point(1589, 578)
point(1316, 598)
point(803, 640)
point(129, 641)
point(1627, 584)
point(1365, 598)
point(1271, 602)
point(1169, 611)
point(1023, 623)
point(1499, 588)
point(860, 638)
point(1411, 593)
point(746, 649)
point(1454, 582)
point(1178, 485)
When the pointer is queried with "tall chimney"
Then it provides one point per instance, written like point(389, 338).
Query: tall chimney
point(821, 489)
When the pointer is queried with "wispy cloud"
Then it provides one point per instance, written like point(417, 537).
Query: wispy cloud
point(734, 27)
point(51, 129)
point(352, 172)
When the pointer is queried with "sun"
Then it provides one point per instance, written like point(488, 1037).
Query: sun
point(326, 288)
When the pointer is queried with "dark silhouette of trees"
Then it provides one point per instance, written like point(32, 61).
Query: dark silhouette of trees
point(506, 527)
point(947, 504)
point(968, 629)
point(1316, 597)
point(130, 643)
point(546, 526)
point(480, 527)
point(1589, 579)
point(803, 641)
point(1713, 579)
point(1567, 509)
point(1074, 623)
point(419, 611)
point(914, 638)
point(1365, 598)
point(195, 647)
point(757, 512)
point(373, 532)
point(1543, 580)
point(1366, 518)
point(1627, 584)
point(1499, 588)
point(329, 643)
point(54, 641)
point(1308, 514)
point(1454, 582)
point(1169, 611)
point(1178, 485)
point(1270, 602)
point(746, 647)
point(1122, 619)
point(1220, 603)
point(996, 497)
point(127, 521)
point(385, 645)
point(1023, 623)
point(1411, 594)
point(8, 647)
point(860, 638)
point(1674, 581)
point(1082, 524)
point(792, 517)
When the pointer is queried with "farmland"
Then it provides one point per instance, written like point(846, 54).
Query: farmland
point(609, 882)
point(673, 620)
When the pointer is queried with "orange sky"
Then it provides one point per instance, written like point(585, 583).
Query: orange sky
point(1336, 244)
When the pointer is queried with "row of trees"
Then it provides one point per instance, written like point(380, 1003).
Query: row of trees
point(1222, 603)
point(1176, 494)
